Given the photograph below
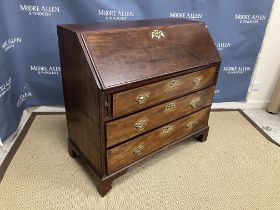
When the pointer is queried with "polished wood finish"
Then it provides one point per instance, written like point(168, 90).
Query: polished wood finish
point(179, 49)
point(125, 128)
point(122, 86)
point(81, 96)
point(126, 101)
point(143, 145)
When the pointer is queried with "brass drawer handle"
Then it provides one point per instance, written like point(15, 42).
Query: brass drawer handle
point(141, 99)
point(196, 81)
point(194, 103)
point(172, 85)
point(140, 125)
point(167, 129)
point(138, 150)
point(191, 125)
point(170, 107)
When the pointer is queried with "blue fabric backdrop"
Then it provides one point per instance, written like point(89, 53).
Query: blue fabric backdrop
point(29, 61)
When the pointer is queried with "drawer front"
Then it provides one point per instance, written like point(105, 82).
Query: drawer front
point(144, 145)
point(139, 98)
point(135, 124)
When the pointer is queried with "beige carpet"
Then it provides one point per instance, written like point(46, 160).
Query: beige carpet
point(237, 168)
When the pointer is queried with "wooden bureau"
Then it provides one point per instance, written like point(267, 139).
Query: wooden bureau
point(134, 88)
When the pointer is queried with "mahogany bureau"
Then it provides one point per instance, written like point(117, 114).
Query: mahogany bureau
point(134, 88)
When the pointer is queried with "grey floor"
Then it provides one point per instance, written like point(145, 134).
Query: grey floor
point(5, 149)
point(270, 123)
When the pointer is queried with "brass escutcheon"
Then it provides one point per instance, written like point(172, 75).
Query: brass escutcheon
point(170, 107)
point(190, 125)
point(158, 34)
point(196, 81)
point(140, 125)
point(172, 85)
point(141, 99)
point(167, 129)
point(138, 150)
point(194, 103)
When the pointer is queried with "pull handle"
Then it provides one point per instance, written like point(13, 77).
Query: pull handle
point(191, 125)
point(138, 150)
point(194, 103)
point(140, 125)
point(167, 129)
point(172, 85)
point(143, 98)
point(197, 81)
point(170, 107)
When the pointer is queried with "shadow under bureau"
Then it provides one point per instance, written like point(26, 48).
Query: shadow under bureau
point(134, 88)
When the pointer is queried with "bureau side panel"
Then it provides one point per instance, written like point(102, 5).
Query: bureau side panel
point(81, 95)
point(68, 77)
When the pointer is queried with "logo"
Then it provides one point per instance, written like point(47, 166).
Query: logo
point(157, 34)
point(23, 96)
point(4, 88)
point(39, 10)
point(10, 43)
point(50, 70)
point(236, 69)
point(115, 14)
point(186, 15)
point(217, 91)
point(249, 19)
point(223, 45)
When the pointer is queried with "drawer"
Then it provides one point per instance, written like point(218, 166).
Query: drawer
point(129, 152)
point(120, 130)
point(139, 98)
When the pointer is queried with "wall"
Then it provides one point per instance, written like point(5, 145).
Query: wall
point(267, 70)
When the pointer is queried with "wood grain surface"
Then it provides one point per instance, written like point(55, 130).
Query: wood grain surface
point(120, 130)
point(141, 146)
point(126, 101)
point(124, 56)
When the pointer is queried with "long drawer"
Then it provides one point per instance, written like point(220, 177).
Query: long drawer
point(129, 152)
point(120, 130)
point(138, 98)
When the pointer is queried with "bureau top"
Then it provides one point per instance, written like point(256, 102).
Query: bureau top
point(131, 51)
point(86, 27)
